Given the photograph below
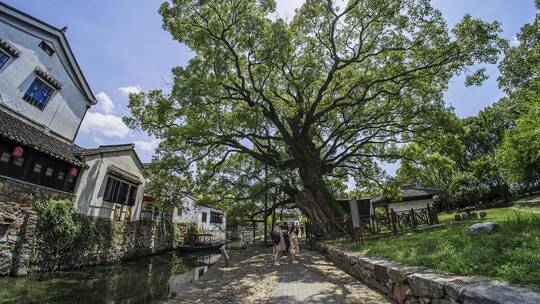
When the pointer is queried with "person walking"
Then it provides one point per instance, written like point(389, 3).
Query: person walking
point(279, 243)
point(293, 235)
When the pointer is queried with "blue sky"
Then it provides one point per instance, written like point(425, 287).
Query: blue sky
point(121, 47)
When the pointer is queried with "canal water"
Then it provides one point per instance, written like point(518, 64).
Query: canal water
point(153, 279)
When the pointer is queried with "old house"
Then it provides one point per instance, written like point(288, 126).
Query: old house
point(113, 184)
point(43, 100)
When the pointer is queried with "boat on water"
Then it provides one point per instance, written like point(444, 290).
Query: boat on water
point(199, 242)
point(196, 248)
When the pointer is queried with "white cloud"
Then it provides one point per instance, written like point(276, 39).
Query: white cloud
point(105, 103)
point(130, 89)
point(106, 124)
point(98, 140)
point(147, 145)
point(285, 8)
point(514, 41)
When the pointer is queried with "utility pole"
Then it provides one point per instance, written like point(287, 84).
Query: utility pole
point(265, 204)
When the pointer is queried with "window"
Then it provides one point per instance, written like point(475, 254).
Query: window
point(132, 195)
point(117, 191)
point(216, 217)
point(38, 94)
point(3, 59)
point(204, 217)
point(46, 48)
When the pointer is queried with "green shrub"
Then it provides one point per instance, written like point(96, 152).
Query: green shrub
point(59, 230)
point(56, 228)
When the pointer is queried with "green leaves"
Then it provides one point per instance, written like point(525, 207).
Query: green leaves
point(335, 88)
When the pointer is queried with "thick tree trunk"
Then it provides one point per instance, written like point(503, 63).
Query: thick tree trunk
point(316, 201)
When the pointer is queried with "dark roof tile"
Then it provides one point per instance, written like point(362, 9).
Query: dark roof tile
point(28, 135)
point(410, 192)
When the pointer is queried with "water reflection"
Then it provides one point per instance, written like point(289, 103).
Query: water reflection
point(148, 280)
point(179, 282)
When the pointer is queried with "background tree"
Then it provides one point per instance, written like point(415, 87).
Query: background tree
point(432, 160)
point(336, 86)
point(465, 189)
point(519, 153)
point(165, 186)
point(520, 77)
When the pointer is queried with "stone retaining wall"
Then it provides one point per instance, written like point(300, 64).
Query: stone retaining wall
point(122, 241)
point(419, 285)
point(25, 193)
point(116, 241)
point(16, 229)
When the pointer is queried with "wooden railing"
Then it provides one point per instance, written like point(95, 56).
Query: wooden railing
point(394, 222)
point(391, 222)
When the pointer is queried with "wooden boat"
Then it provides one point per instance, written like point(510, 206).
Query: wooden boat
point(199, 242)
point(201, 247)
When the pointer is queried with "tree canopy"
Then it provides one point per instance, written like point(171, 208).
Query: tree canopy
point(322, 95)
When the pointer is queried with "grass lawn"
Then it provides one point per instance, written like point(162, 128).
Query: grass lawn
point(512, 253)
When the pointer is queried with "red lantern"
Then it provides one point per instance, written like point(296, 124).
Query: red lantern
point(17, 152)
point(73, 172)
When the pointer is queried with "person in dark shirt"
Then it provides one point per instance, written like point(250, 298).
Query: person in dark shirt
point(285, 228)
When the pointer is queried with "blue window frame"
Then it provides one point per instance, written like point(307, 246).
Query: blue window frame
point(38, 94)
point(3, 59)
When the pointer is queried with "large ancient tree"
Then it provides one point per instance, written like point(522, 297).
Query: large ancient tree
point(327, 92)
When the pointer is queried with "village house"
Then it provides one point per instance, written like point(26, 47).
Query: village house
point(206, 218)
point(43, 100)
point(113, 184)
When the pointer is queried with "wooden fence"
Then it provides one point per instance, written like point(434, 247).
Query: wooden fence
point(391, 222)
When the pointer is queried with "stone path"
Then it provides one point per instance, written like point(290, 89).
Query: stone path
point(315, 280)
point(251, 277)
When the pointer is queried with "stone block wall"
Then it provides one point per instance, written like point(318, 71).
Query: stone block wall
point(419, 285)
point(119, 241)
point(217, 235)
point(25, 194)
point(16, 228)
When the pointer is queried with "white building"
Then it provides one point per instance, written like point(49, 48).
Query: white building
point(205, 217)
point(113, 184)
point(39, 76)
point(43, 100)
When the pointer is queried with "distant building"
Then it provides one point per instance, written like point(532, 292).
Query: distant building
point(410, 197)
point(43, 100)
point(206, 218)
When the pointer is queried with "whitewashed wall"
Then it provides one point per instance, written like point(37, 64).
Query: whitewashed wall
point(193, 214)
point(67, 107)
point(92, 182)
point(407, 206)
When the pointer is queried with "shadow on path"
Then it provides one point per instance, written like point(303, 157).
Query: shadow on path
point(315, 280)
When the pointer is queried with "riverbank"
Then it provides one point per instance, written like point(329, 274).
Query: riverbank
point(251, 277)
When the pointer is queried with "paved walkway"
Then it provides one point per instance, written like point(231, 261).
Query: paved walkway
point(315, 280)
point(251, 278)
